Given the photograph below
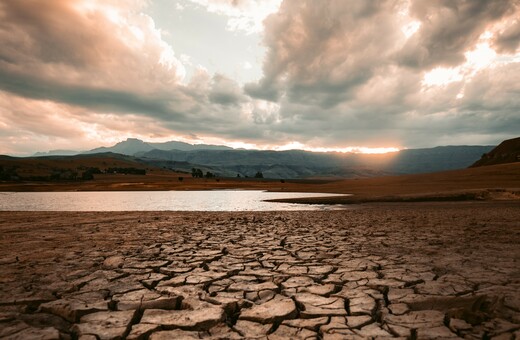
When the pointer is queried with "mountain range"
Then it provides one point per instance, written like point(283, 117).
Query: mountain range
point(305, 164)
point(229, 162)
point(131, 146)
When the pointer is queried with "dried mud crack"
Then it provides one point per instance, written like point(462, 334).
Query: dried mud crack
point(410, 271)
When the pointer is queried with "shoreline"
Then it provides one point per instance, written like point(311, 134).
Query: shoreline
point(475, 195)
point(489, 183)
point(457, 196)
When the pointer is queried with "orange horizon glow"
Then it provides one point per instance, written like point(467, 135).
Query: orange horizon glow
point(351, 149)
point(263, 147)
point(300, 146)
point(358, 149)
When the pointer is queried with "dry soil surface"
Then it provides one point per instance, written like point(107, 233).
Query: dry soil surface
point(419, 271)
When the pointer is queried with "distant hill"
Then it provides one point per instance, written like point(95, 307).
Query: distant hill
point(506, 152)
point(128, 147)
point(173, 145)
point(229, 162)
point(57, 153)
point(305, 164)
point(133, 146)
point(65, 167)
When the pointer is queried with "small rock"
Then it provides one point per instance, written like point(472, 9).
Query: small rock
point(113, 262)
point(457, 325)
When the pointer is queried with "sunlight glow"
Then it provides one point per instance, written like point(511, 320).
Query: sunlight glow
point(294, 146)
point(410, 28)
point(349, 149)
point(482, 56)
point(356, 149)
point(442, 76)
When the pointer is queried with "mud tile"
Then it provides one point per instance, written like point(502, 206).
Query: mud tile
point(142, 331)
point(145, 299)
point(285, 332)
point(201, 319)
point(174, 334)
point(72, 310)
point(312, 324)
point(104, 325)
point(252, 330)
point(275, 310)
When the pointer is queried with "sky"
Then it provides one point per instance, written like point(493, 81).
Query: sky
point(369, 75)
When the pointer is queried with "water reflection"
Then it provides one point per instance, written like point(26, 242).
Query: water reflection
point(215, 200)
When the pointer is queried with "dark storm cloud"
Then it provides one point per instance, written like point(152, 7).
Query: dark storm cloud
point(345, 68)
point(52, 30)
point(509, 40)
point(104, 100)
point(317, 53)
point(450, 28)
point(265, 89)
point(225, 91)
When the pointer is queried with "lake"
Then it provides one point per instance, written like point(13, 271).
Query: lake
point(211, 200)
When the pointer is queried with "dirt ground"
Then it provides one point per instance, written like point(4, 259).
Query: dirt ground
point(415, 270)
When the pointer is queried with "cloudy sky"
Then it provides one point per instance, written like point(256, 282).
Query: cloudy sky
point(271, 74)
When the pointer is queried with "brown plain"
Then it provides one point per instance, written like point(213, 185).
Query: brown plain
point(488, 182)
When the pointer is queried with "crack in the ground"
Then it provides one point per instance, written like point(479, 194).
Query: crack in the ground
point(315, 267)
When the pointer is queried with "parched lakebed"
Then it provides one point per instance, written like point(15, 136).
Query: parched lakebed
point(426, 271)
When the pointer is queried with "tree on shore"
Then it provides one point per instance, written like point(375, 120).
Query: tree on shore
point(196, 173)
point(259, 175)
point(89, 173)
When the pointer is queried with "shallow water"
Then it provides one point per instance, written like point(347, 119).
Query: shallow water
point(214, 200)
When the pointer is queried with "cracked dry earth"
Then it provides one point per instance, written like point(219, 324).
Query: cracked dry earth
point(416, 271)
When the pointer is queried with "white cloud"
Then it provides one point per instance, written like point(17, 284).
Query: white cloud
point(441, 76)
point(244, 15)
